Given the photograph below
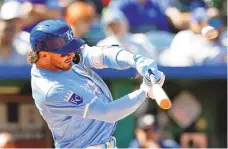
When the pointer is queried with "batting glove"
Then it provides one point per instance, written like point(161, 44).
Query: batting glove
point(143, 64)
point(146, 85)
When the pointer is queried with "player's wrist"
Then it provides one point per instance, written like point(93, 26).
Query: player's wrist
point(146, 87)
point(136, 59)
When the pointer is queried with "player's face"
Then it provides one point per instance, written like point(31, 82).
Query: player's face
point(61, 61)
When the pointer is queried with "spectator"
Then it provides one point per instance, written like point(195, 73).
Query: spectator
point(223, 38)
point(97, 4)
point(186, 5)
point(160, 40)
point(34, 11)
point(179, 11)
point(6, 140)
point(194, 140)
point(65, 3)
point(116, 29)
point(147, 15)
point(142, 15)
point(216, 21)
point(14, 43)
point(189, 47)
point(80, 15)
point(105, 2)
point(148, 135)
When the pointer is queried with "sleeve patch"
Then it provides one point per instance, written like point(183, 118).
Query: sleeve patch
point(73, 98)
point(97, 58)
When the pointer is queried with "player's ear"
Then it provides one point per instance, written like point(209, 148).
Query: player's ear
point(77, 58)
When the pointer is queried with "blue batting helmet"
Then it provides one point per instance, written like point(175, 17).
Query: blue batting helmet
point(54, 36)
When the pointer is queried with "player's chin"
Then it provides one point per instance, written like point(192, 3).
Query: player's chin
point(66, 67)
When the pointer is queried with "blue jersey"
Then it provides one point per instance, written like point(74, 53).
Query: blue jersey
point(77, 105)
point(143, 17)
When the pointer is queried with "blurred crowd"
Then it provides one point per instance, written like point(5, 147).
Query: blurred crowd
point(168, 31)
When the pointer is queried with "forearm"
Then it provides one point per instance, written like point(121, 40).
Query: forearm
point(118, 58)
point(118, 109)
point(122, 59)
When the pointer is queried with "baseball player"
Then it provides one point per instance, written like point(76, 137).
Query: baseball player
point(73, 100)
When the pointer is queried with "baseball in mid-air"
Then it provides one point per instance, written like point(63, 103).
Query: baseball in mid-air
point(209, 32)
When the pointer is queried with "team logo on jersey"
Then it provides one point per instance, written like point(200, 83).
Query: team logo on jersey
point(91, 87)
point(73, 98)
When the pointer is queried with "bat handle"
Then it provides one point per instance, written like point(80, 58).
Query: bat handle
point(152, 77)
point(160, 96)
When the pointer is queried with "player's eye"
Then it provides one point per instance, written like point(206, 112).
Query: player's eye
point(63, 55)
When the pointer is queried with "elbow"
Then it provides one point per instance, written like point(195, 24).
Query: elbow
point(109, 116)
point(102, 113)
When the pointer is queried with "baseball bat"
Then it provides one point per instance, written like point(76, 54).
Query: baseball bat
point(160, 95)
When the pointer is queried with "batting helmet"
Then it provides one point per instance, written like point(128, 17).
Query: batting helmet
point(54, 36)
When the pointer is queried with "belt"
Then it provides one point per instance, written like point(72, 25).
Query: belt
point(108, 145)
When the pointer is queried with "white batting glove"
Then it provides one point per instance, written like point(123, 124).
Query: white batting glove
point(146, 85)
point(143, 64)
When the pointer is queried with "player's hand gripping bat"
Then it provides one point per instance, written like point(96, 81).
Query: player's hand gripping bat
point(159, 94)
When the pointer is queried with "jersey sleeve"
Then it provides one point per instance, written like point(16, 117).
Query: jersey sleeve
point(117, 109)
point(86, 105)
point(107, 57)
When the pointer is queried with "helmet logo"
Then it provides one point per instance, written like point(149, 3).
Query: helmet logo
point(69, 35)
